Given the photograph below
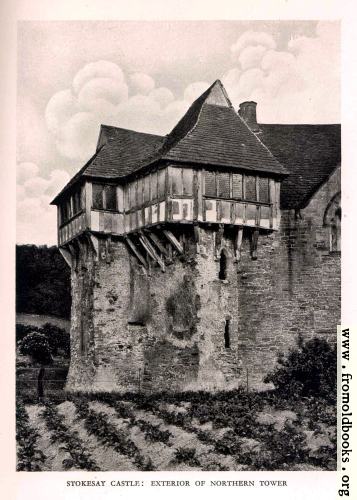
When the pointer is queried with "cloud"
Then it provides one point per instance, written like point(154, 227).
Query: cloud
point(26, 170)
point(101, 92)
point(36, 218)
point(141, 83)
point(98, 69)
point(299, 84)
point(251, 39)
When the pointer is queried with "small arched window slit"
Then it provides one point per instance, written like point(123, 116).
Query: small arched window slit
point(227, 334)
point(222, 275)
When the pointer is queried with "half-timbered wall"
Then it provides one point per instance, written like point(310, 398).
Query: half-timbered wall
point(172, 194)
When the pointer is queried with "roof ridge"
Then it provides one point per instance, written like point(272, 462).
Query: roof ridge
point(102, 125)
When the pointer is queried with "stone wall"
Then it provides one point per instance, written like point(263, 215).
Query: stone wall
point(157, 331)
point(291, 290)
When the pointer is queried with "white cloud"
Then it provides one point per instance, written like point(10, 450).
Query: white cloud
point(26, 170)
point(141, 83)
point(252, 39)
point(102, 93)
point(36, 218)
point(98, 69)
point(194, 90)
point(297, 85)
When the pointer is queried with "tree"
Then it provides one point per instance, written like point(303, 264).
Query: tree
point(308, 370)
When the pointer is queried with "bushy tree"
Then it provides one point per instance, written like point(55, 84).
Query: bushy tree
point(58, 338)
point(308, 370)
point(23, 330)
point(36, 345)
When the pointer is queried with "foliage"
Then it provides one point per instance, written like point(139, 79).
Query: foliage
point(252, 445)
point(80, 456)
point(308, 370)
point(187, 456)
point(42, 281)
point(153, 432)
point(98, 425)
point(58, 339)
point(29, 457)
point(36, 345)
point(23, 330)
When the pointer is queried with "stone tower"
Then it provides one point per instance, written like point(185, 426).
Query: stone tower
point(153, 228)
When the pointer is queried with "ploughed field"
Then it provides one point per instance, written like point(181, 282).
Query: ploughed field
point(191, 431)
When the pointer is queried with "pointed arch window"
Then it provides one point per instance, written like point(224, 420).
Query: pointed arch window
point(222, 275)
point(332, 219)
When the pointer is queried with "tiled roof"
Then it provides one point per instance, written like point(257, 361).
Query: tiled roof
point(119, 152)
point(212, 133)
point(220, 137)
point(309, 152)
point(123, 151)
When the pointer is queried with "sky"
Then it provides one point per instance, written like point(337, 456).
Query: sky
point(73, 76)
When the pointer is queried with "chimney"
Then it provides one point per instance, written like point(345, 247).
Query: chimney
point(248, 112)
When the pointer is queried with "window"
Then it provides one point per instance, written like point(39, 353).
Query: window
point(76, 202)
point(140, 192)
point(227, 334)
point(110, 197)
point(237, 186)
point(210, 183)
point(332, 220)
point(335, 231)
point(162, 183)
point(250, 191)
point(176, 180)
point(104, 197)
point(228, 186)
point(187, 181)
point(146, 189)
point(98, 197)
point(154, 186)
point(223, 187)
point(222, 275)
point(133, 194)
point(263, 189)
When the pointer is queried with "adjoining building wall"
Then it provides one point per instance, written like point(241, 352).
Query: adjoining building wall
point(293, 289)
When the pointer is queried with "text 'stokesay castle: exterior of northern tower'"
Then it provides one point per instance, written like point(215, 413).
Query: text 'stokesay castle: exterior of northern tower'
point(196, 257)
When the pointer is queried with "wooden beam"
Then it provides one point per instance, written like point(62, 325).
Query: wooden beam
point(254, 244)
point(157, 242)
point(108, 245)
point(218, 239)
point(66, 255)
point(95, 243)
point(88, 203)
point(238, 243)
point(132, 246)
point(74, 254)
point(151, 251)
point(172, 239)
